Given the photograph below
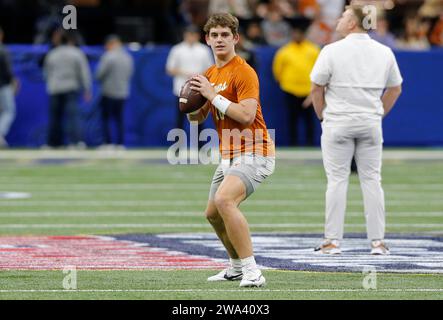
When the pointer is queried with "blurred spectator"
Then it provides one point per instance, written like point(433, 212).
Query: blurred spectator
point(432, 11)
point(287, 8)
point(382, 33)
point(244, 50)
point(415, 34)
point(240, 8)
point(254, 34)
point(276, 30)
point(320, 33)
point(437, 33)
point(292, 66)
point(114, 73)
point(330, 11)
point(7, 87)
point(67, 73)
point(308, 8)
point(188, 58)
point(195, 12)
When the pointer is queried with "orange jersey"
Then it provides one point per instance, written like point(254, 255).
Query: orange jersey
point(237, 81)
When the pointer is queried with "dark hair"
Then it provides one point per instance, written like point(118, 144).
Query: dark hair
point(112, 37)
point(68, 37)
point(225, 20)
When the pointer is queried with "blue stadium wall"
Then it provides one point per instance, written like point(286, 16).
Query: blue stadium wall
point(151, 111)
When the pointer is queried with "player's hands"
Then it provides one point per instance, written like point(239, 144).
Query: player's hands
point(307, 102)
point(201, 84)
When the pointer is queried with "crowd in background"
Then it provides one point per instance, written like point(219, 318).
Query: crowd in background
point(298, 28)
point(406, 24)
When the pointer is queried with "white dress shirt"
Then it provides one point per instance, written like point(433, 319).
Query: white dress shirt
point(194, 59)
point(355, 71)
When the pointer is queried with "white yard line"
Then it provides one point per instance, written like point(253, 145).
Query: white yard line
point(277, 184)
point(192, 203)
point(196, 213)
point(197, 225)
point(215, 290)
point(144, 154)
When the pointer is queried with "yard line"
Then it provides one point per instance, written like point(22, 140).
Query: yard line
point(199, 213)
point(198, 225)
point(173, 202)
point(276, 184)
point(213, 290)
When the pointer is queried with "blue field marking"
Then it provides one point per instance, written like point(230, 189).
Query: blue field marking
point(409, 253)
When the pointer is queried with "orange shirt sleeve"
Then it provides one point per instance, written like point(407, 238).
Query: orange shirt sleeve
point(246, 84)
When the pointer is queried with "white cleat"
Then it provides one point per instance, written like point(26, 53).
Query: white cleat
point(328, 246)
point(253, 278)
point(228, 274)
point(378, 247)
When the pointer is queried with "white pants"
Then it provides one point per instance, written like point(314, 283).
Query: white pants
point(339, 144)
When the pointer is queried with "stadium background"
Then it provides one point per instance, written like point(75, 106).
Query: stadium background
point(151, 109)
point(133, 225)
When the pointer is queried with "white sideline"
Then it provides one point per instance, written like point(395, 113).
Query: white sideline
point(199, 213)
point(199, 225)
point(144, 154)
point(193, 203)
point(217, 290)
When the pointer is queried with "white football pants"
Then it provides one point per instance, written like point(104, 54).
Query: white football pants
point(339, 144)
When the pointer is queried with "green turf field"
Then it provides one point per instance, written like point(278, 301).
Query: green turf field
point(140, 193)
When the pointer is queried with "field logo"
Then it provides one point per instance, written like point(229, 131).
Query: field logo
point(369, 278)
point(70, 280)
point(70, 21)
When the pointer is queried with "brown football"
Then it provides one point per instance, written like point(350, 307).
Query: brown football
point(190, 100)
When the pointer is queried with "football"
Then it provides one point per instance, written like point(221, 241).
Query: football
point(190, 100)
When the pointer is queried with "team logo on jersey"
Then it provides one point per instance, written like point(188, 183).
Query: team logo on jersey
point(413, 254)
point(219, 87)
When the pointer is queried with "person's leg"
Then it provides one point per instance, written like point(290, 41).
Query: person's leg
point(230, 194)
point(218, 224)
point(104, 107)
point(234, 271)
point(181, 117)
point(7, 109)
point(73, 121)
point(292, 120)
point(118, 117)
point(56, 111)
point(213, 216)
point(368, 156)
point(241, 179)
point(337, 149)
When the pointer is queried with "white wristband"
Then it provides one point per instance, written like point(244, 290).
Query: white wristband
point(221, 103)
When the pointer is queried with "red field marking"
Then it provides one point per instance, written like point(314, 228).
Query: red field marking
point(93, 253)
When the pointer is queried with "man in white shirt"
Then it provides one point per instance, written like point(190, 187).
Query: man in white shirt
point(186, 59)
point(348, 91)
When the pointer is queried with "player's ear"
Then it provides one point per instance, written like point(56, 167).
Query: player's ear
point(207, 39)
point(236, 38)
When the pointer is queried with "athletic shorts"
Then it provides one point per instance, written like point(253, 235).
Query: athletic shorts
point(251, 169)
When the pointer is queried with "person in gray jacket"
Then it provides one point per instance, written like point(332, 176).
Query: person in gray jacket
point(114, 74)
point(67, 74)
point(8, 84)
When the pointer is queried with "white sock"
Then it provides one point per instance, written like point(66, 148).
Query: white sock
point(249, 263)
point(236, 264)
